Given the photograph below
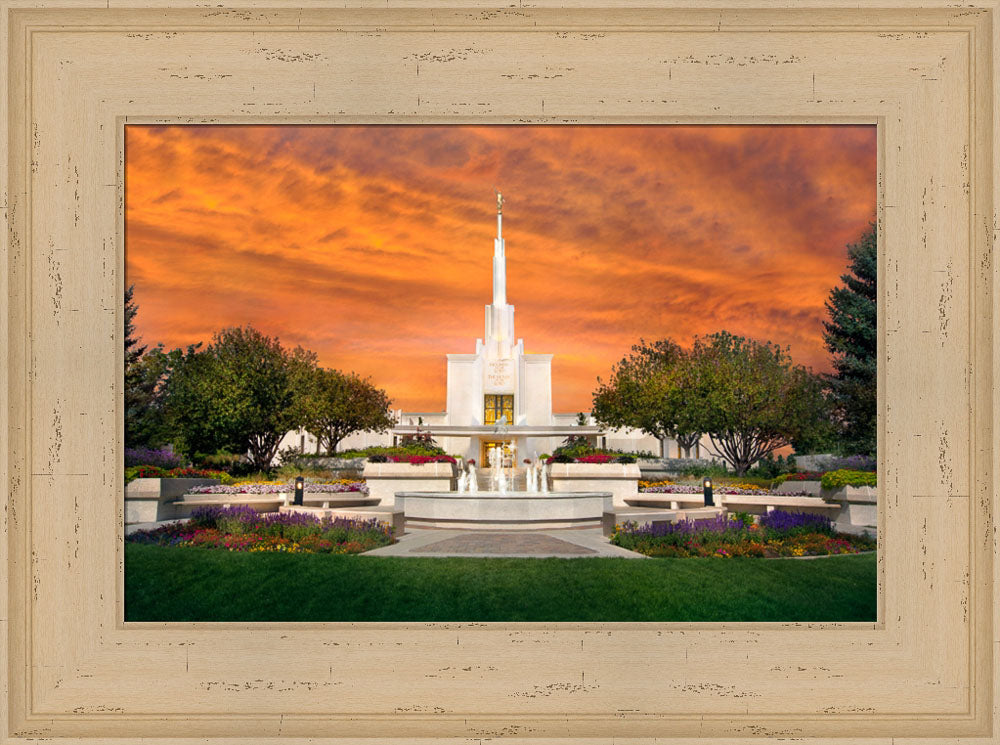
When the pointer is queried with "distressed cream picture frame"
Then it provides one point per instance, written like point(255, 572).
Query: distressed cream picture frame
point(79, 71)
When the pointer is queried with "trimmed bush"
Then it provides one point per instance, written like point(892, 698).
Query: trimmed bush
point(843, 477)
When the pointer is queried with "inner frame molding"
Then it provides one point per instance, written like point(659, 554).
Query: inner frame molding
point(78, 72)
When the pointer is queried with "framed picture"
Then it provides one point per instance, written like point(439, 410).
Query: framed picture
point(78, 76)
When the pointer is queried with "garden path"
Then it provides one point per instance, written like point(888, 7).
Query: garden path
point(566, 544)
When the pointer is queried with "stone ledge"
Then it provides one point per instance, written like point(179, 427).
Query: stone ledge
point(594, 471)
point(148, 500)
point(673, 501)
point(766, 503)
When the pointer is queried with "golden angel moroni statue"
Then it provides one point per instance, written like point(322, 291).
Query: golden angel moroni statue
point(499, 202)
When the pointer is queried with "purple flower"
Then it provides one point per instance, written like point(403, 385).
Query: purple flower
point(148, 457)
point(787, 522)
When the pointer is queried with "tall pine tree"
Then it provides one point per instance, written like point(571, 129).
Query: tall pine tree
point(135, 395)
point(850, 336)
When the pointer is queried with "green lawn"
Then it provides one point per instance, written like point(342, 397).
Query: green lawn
point(187, 584)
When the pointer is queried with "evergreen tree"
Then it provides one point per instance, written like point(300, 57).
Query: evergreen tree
point(136, 397)
point(850, 336)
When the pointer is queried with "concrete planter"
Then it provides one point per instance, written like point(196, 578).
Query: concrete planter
point(621, 479)
point(273, 502)
point(859, 504)
point(811, 488)
point(149, 500)
point(385, 479)
point(761, 504)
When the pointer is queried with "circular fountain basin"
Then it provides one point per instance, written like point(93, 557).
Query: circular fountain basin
point(510, 511)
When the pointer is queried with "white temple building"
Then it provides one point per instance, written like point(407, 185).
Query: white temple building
point(498, 395)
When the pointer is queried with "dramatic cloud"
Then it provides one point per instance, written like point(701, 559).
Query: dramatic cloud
point(372, 245)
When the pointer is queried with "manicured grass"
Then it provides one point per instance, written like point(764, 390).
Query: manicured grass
point(190, 584)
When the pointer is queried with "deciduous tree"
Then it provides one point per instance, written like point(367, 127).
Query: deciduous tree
point(338, 404)
point(750, 398)
point(648, 390)
point(241, 393)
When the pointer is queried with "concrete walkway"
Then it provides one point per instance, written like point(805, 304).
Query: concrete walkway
point(535, 544)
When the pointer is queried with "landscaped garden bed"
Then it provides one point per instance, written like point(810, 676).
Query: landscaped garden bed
point(737, 488)
point(155, 472)
point(311, 486)
point(244, 529)
point(776, 534)
point(414, 460)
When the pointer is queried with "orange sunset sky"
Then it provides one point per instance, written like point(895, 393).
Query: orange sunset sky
point(372, 245)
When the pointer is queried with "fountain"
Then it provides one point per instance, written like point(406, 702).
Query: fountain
point(501, 508)
point(473, 480)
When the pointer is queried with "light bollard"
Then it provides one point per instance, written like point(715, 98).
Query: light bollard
point(300, 488)
point(706, 486)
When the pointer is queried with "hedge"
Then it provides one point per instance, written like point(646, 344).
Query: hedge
point(843, 477)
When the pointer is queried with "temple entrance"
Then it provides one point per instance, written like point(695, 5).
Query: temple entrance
point(484, 453)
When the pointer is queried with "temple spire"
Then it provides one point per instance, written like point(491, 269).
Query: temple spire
point(499, 215)
point(499, 340)
point(499, 259)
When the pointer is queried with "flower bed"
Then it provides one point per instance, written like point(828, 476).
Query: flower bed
point(245, 529)
point(155, 472)
point(592, 458)
point(800, 476)
point(644, 485)
point(740, 489)
point(833, 479)
point(276, 487)
point(412, 459)
point(777, 534)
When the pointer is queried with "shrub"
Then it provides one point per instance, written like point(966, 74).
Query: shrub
point(769, 467)
point(410, 448)
point(577, 449)
point(743, 518)
point(852, 463)
point(837, 479)
point(679, 465)
point(421, 459)
point(697, 470)
point(150, 457)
